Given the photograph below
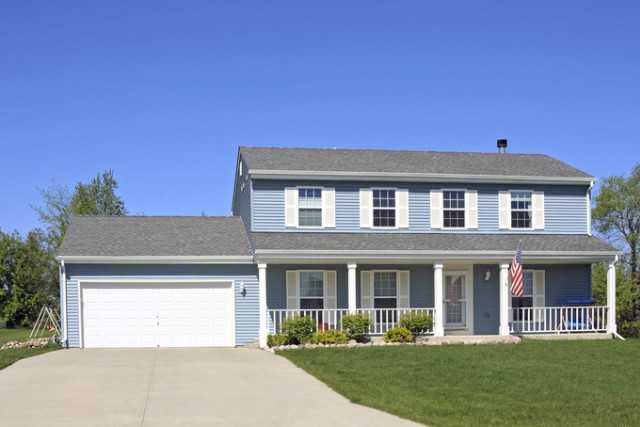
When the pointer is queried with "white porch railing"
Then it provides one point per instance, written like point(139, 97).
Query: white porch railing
point(540, 320)
point(382, 319)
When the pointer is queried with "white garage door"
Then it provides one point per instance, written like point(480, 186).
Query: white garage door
point(153, 314)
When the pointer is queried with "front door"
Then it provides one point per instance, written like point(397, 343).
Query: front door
point(455, 300)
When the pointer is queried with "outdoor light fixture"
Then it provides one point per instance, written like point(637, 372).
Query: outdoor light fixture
point(243, 289)
point(487, 275)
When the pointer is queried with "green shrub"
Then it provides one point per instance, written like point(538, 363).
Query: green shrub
point(398, 335)
point(298, 329)
point(630, 329)
point(418, 323)
point(276, 340)
point(330, 336)
point(356, 326)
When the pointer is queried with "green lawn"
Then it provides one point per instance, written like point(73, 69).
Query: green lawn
point(569, 383)
point(8, 357)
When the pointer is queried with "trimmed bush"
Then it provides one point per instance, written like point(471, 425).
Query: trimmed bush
point(298, 329)
point(398, 335)
point(276, 340)
point(418, 323)
point(356, 326)
point(330, 336)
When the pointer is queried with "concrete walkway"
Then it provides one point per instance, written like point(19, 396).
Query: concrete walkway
point(173, 387)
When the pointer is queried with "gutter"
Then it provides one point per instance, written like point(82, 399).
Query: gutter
point(242, 259)
point(589, 232)
point(63, 303)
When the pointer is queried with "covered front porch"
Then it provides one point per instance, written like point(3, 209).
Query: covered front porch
point(465, 298)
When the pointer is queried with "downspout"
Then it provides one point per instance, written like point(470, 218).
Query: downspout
point(615, 333)
point(591, 184)
point(63, 304)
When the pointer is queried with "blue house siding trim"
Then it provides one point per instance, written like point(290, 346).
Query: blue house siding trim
point(246, 307)
point(565, 207)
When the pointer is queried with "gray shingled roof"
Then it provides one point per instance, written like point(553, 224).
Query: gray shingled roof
point(428, 242)
point(416, 162)
point(166, 236)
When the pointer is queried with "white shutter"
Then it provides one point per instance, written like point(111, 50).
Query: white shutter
point(436, 209)
point(291, 207)
point(329, 282)
point(293, 290)
point(537, 202)
point(366, 289)
point(538, 295)
point(402, 208)
point(329, 207)
point(471, 205)
point(365, 208)
point(403, 289)
point(504, 206)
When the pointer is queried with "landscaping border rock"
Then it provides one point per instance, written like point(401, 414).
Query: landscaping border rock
point(32, 343)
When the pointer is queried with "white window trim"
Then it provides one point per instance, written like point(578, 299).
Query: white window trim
point(372, 209)
point(325, 223)
point(535, 210)
point(325, 297)
point(466, 209)
point(399, 294)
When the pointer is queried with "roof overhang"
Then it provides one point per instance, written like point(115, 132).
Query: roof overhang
point(156, 259)
point(428, 257)
point(415, 177)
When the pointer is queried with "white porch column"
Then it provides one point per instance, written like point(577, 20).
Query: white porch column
point(262, 303)
point(612, 328)
point(504, 299)
point(351, 281)
point(438, 299)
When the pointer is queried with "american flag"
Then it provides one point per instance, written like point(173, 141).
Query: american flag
point(516, 273)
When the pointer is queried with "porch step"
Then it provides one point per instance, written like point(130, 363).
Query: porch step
point(572, 336)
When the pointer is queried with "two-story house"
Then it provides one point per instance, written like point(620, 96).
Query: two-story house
point(325, 232)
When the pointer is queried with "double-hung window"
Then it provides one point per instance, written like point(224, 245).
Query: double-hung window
point(521, 209)
point(453, 209)
point(384, 208)
point(384, 289)
point(311, 290)
point(309, 207)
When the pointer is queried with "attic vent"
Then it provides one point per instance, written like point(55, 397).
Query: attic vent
point(502, 146)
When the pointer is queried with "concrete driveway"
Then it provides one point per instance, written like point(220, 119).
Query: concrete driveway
point(172, 387)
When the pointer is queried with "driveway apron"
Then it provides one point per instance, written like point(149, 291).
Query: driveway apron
point(173, 387)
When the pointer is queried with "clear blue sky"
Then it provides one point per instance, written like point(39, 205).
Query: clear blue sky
point(164, 92)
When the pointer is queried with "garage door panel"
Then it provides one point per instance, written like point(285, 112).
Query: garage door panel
point(151, 314)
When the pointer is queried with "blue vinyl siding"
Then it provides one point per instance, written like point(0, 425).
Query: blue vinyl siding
point(242, 198)
point(564, 282)
point(486, 300)
point(246, 307)
point(565, 207)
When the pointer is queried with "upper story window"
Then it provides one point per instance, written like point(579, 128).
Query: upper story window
point(310, 207)
point(453, 209)
point(521, 209)
point(384, 208)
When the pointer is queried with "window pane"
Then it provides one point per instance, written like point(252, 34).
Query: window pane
point(520, 219)
point(385, 303)
point(309, 197)
point(310, 218)
point(311, 303)
point(527, 281)
point(384, 284)
point(384, 218)
point(311, 284)
point(454, 209)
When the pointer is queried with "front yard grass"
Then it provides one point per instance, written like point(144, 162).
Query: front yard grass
point(535, 383)
point(9, 357)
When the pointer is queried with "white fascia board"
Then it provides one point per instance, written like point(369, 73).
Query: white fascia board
point(156, 259)
point(416, 177)
point(528, 257)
